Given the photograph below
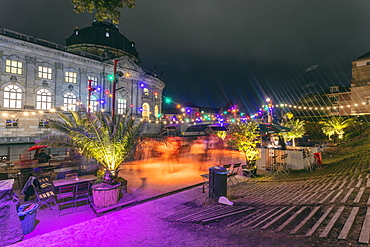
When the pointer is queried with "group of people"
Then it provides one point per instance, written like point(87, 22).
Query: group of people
point(41, 156)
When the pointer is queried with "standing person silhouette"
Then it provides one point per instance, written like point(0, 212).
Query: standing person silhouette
point(43, 157)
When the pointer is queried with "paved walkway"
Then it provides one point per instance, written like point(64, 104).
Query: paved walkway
point(147, 179)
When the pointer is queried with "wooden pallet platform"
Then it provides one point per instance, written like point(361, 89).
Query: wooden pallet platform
point(125, 201)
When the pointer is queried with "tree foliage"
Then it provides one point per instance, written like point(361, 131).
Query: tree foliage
point(244, 137)
point(98, 136)
point(297, 130)
point(104, 9)
point(335, 126)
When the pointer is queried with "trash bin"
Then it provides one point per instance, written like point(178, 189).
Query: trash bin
point(217, 182)
point(318, 157)
point(27, 215)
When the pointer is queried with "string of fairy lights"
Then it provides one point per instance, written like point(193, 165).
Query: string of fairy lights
point(185, 117)
point(188, 115)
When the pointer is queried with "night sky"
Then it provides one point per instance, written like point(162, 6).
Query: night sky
point(211, 51)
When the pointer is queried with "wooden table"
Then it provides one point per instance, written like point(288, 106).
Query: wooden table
point(71, 181)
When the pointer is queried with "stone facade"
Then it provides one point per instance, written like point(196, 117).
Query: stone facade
point(137, 90)
point(360, 87)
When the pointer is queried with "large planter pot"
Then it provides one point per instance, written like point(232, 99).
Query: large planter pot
point(105, 195)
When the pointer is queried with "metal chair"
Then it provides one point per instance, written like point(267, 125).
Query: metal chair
point(82, 193)
point(280, 167)
point(248, 172)
point(235, 171)
point(65, 196)
point(44, 197)
point(229, 171)
point(206, 180)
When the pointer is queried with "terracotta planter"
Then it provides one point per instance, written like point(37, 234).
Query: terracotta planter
point(105, 195)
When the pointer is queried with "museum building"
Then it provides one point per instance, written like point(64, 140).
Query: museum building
point(39, 78)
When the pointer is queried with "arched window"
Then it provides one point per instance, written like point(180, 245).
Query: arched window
point(156, 111)
point(12, 97)
point(43, 99)
point(146, 111)
point(93, 104)
point(69, 101)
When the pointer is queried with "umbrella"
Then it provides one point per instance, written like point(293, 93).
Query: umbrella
point(283, 128)
point(36, 147)
point(272, 128)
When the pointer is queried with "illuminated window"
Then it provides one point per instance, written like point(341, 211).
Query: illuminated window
point(69, 101)
point(145, 92)
point(121, 106)
point(156, 111)
point(71, 77)
point(94, 81)
point(93, 104)
point(12, 123)
point(334, 89)
point(12, 97)
point(43, 99)
point(44, 72)
point(146, 111)
point(44, 123)
point(13, 67)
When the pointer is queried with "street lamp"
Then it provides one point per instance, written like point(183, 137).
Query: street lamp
point(269, 110)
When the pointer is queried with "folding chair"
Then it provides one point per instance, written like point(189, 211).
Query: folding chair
point(235, 171)
point(280, 167)
point(206, 180)
point(271, 168)
point(44, 197)
point(248, 172)
point(82, 193)
point(230, 174)
point(65, 195)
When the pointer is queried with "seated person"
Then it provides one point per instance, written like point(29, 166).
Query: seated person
point(42, 157)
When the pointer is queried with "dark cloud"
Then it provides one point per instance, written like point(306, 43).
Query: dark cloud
point(211, 50)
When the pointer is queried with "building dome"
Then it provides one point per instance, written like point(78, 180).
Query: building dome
point(103, 39)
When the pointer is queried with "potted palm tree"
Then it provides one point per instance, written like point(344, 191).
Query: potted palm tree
point(108, 140)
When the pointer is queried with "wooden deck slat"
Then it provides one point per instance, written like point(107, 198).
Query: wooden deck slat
point(365, 230)
point(350, 183)
point(244, 219)
point(359, 195)
point(259, 217)
point(299, 226)
point(291, 218)
point(327, 196)
point(347, 226)
point(278, 218)
point(336, 196)
point(335, 185)
point(345, 198)
point(269, 217)
point(313, 229)
point(358, 183)
point(328, 228)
